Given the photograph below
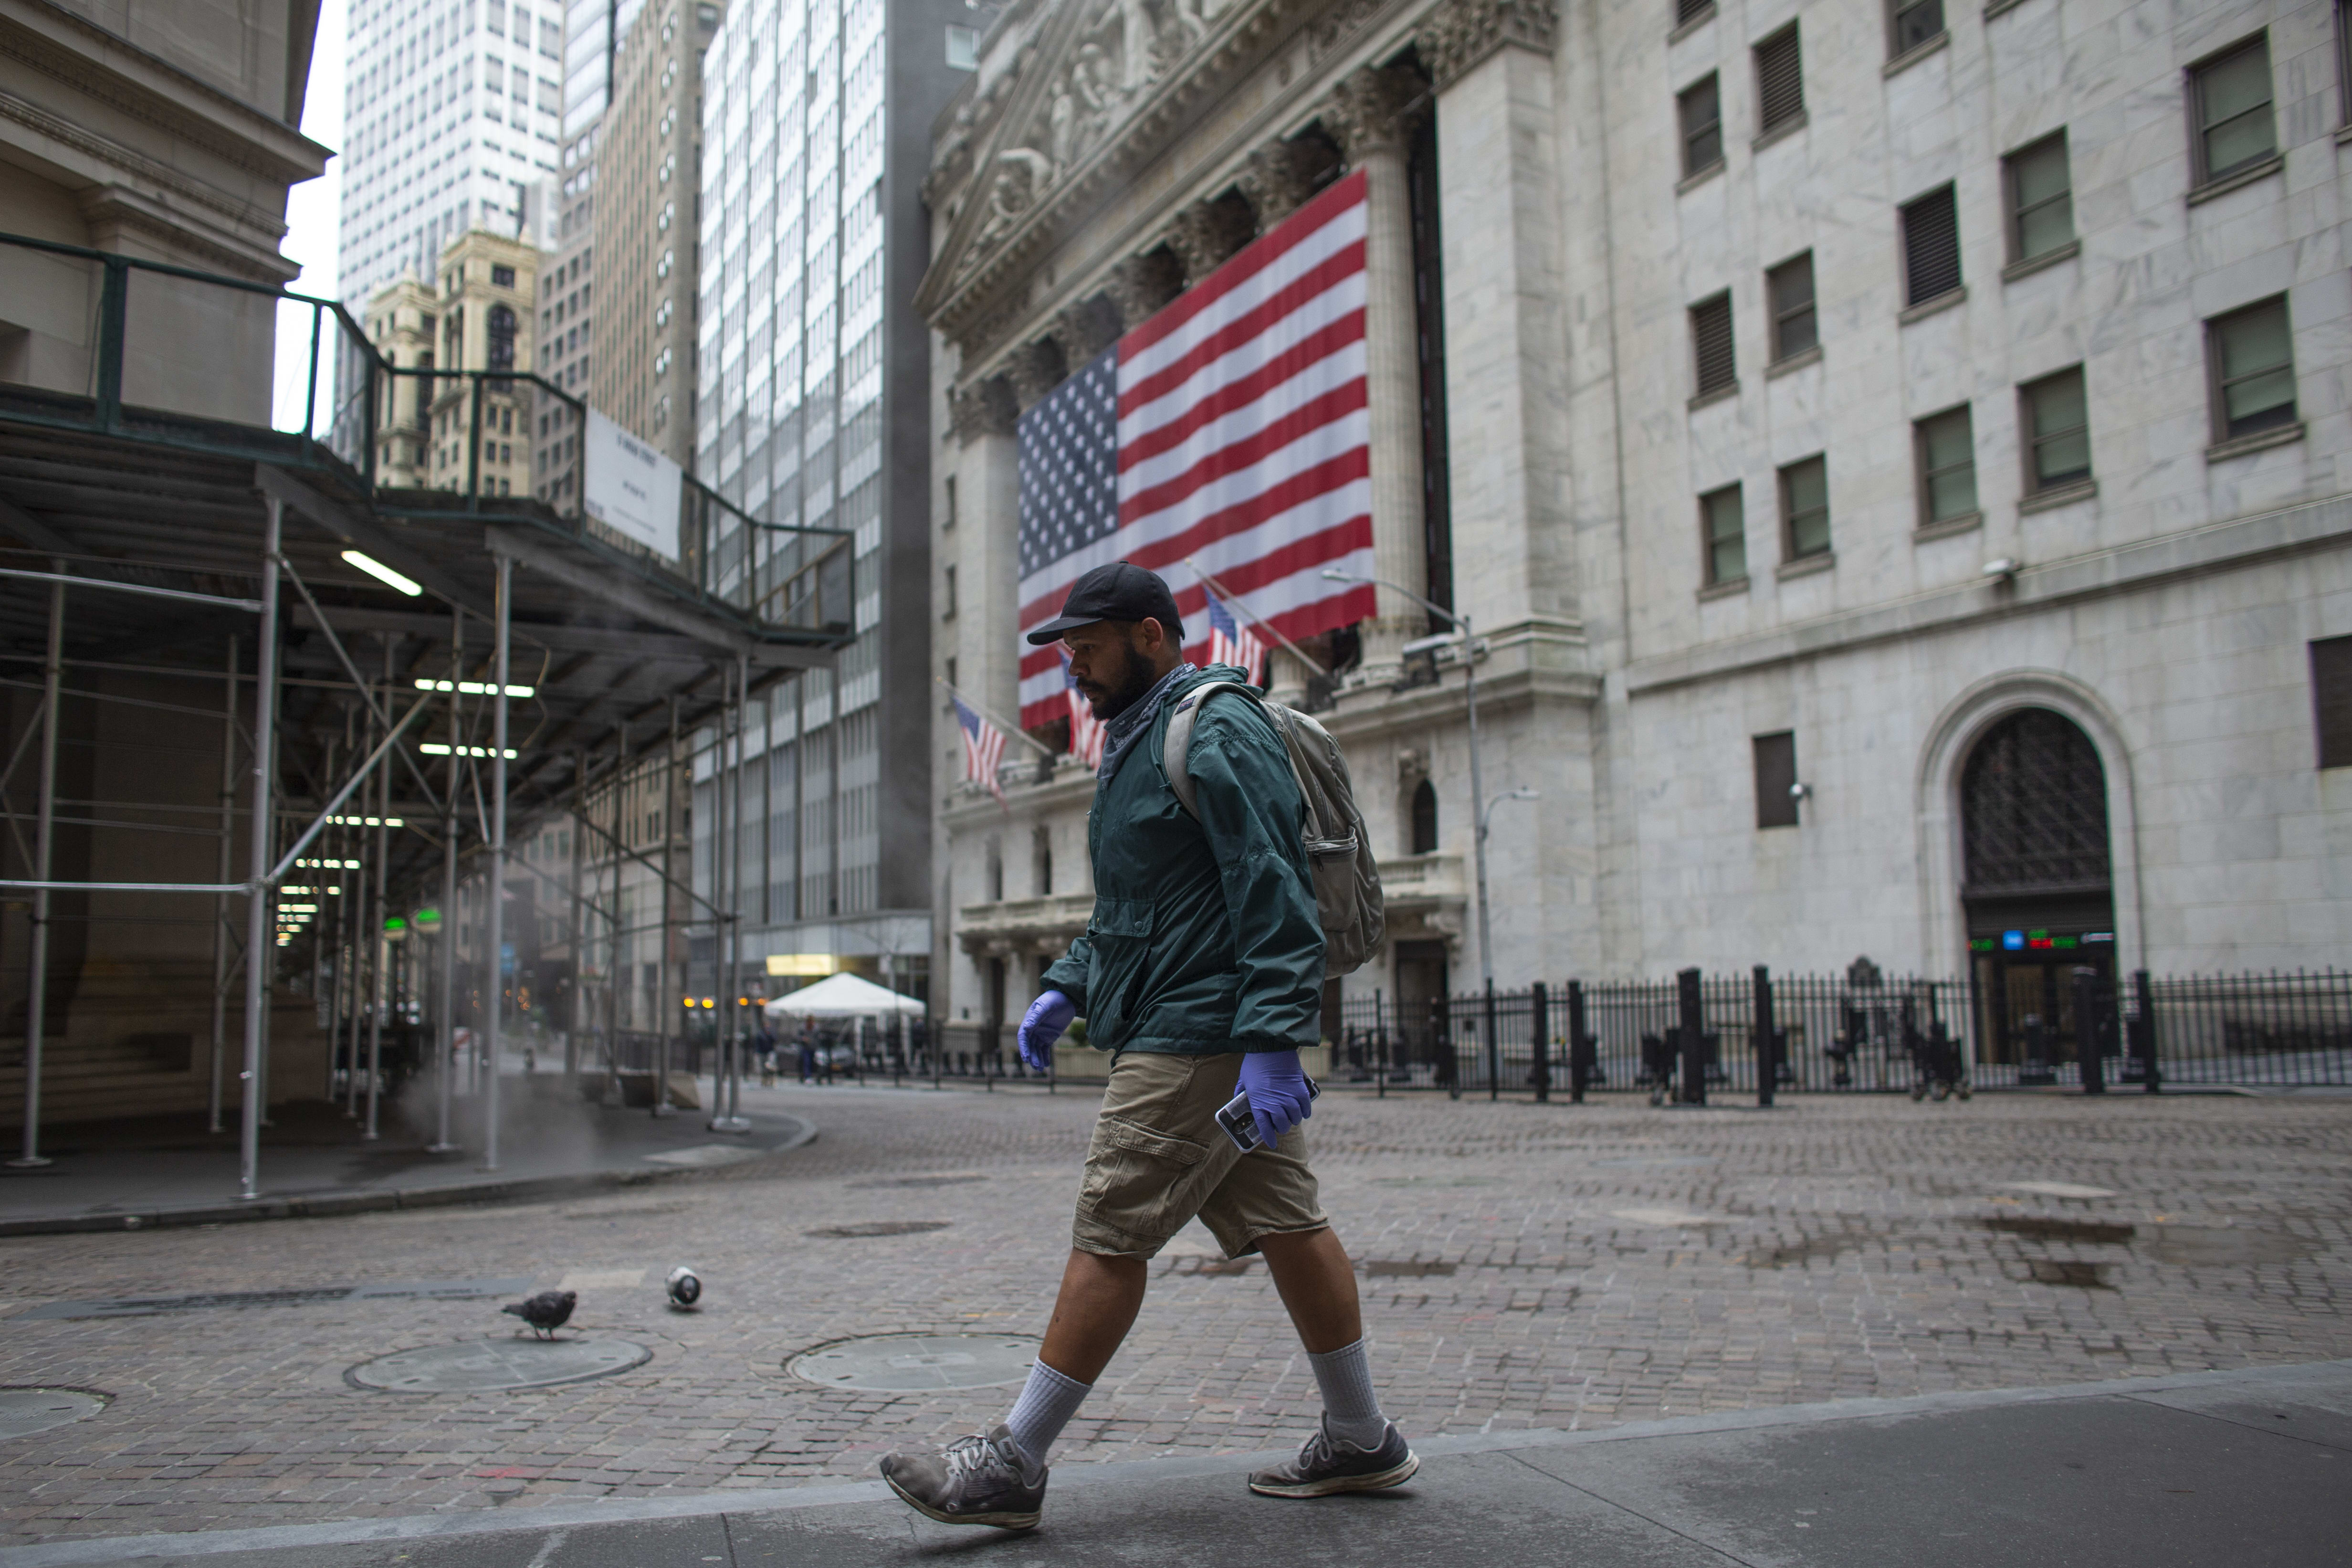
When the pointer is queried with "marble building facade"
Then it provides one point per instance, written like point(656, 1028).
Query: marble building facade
point(1893, 455)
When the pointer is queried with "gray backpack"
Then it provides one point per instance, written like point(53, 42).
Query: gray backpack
point(1338, 850)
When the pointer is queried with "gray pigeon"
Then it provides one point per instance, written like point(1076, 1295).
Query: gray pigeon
point(546, 1312)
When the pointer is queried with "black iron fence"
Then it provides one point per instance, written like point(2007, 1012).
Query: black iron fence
point(1698, 1035)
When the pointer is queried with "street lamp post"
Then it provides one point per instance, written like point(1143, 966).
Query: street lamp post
point(1481, 808)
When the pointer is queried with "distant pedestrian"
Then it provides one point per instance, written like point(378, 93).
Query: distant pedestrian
point(1202, 969)
point(807, 1044)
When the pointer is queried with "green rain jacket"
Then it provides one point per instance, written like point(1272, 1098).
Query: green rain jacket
point(1205, 937)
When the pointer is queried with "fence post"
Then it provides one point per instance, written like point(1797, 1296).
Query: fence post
point(1493, 1048)
point(2144, 1036)
point(1539, 1030)
point(1579, 1044)
point(1693, 1037)
point(1767, 1066)
point(2087, 1030)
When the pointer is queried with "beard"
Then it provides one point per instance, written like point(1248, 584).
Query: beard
point(1127, 684)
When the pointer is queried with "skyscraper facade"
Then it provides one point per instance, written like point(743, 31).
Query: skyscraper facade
point(453, 117)
point(813, 409)
point(649, 159)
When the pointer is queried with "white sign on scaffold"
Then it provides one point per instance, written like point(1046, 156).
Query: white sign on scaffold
point(630, 487)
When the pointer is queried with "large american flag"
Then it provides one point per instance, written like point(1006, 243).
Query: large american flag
point(1231, 427)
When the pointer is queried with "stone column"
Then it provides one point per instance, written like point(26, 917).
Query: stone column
point(985, 548)
point(1204, 233)
point(1506, 343)
point(1371, 117)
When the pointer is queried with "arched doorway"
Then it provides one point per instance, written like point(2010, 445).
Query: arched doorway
point(2036, 880)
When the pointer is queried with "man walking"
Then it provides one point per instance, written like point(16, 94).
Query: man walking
point(1202, 969)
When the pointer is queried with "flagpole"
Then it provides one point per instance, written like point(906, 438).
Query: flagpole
point(996, 718)
point(1234, 601)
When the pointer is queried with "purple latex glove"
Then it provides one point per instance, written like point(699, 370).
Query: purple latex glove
point(1278, 1096)
point(1041, 1025)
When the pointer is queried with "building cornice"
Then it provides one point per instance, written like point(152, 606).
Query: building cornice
point(53, 43)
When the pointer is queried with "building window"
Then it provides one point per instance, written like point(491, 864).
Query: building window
point(2344, 61)
point(2041, 198)
point(1425, 816)
point(1948, 466)
point(948, 521)
point(1805, 509)
point(1931, 246)
point(503, 337)
point(2058, 432)
point(1710, 322)
point(2331, 700)
point(1722, 536)
point(1795, 329)
point(2230, 97)
point(947, 595)
point(1700, 105)
point(502, 277)
point(1780, 81)
point(963, 48)
point(1776, 780)
point(1689, 11)
point(1915, 22)
point(2250, 356)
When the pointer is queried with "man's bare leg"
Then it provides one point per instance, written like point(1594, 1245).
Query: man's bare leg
point(1317, 1284)
point(1099, 1299)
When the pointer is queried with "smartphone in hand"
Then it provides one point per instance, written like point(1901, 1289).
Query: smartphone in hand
point(1240, 1126)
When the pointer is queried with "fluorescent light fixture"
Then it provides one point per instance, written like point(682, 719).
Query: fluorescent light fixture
point(436, 748)
point(383, 574)
point(474, 688)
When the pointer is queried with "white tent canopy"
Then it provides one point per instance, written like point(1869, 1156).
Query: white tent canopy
point(841, 996)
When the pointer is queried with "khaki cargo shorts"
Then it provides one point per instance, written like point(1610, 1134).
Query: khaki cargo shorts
point(1158, 1159)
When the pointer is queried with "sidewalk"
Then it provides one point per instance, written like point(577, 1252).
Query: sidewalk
point(2236, 1467)
point(165, 1171)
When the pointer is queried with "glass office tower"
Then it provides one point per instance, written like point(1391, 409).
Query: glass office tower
point(811, 409)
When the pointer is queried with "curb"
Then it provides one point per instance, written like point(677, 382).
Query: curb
point(328, 1204)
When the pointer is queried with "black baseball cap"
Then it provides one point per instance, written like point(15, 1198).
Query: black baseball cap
point(1121, 591)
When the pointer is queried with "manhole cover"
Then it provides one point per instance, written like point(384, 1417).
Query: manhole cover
point(26, 1411)
point(917, 1364)
point(482, 1367)
point(881, 1228)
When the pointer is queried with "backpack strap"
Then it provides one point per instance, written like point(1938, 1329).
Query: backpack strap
point(1179, 741)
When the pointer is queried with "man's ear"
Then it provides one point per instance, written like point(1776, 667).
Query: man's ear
point(1151, 636)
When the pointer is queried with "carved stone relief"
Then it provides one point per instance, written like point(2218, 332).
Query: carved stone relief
point(1375, 109)
point(1462, 32)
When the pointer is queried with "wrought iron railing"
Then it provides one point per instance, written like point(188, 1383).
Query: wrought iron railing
point(1834, 1033)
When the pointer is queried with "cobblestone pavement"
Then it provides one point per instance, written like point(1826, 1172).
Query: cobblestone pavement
point(1524, 1267)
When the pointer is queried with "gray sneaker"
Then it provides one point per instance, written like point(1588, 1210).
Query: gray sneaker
point(1326, 1465)
point(979, 1479)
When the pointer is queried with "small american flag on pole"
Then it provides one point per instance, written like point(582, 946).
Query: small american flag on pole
point(1086, 730)
point(1230, 642)
point(1231, 427)
point(983, 749)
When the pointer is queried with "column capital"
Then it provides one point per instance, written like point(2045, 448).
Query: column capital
point(1203, 234)
point(1374, 109)
point(1276, 181)
point(1460, 33)
point(1034, 369)
point(984, 408)
point(1140, 284)
point(1083, 330)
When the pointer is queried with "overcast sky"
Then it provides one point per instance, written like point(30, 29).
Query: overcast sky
point(310, 210)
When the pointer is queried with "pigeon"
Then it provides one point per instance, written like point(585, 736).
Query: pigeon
point(545, 1312)
point(685, 1287)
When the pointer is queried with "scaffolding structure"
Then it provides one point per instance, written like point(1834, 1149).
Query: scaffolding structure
point(184, 570)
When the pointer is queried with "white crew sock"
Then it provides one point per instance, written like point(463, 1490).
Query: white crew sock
point(1352, 1412)
point(1047, 1401)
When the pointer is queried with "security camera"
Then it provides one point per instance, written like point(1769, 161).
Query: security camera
point(1800, 790)
point(2002, 569)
